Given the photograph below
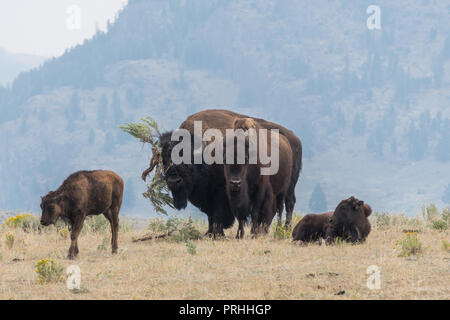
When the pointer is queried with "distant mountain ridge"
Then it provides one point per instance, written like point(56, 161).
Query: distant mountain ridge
point(11, 64)
point(371, 106)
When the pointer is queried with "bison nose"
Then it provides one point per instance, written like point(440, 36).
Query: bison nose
point(235, 184)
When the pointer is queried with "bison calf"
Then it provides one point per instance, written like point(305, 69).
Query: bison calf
point(311, 227)
point(82, 194)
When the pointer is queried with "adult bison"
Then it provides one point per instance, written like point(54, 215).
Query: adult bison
point(248, 190)
point(225, 119)
point(349, 221)
point(203, 185)
point(312, 227)
point(82, 194)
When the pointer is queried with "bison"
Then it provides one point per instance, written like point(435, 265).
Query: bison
point(312, 227)
point(226, 119)
point(349, 221)
point(82, 194)
point(249, 191)
point(203, 185)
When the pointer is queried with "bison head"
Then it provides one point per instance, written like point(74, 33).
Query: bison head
point(235, 173)
point(52, 208)
point(349, 221)
point(179, 178)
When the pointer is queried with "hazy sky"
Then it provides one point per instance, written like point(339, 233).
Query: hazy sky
point(48, 27)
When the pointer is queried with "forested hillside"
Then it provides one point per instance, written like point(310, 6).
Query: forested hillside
point(371, 106)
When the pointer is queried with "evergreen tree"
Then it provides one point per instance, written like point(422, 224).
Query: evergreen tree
point(102, 112)
point(130, 194)
point(358, 125)
point(446, 196)
point(75, 112)
point(442, 151)
point(417, 142)
point(117, 111)
point(318, 201)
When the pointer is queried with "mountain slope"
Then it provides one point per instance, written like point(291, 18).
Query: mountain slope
point(11, 64)
point(369, 105)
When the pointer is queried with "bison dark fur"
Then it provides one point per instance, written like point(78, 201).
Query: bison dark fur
point(82, 194)
point(203, 185)
point(225, 119)
point(250, 191)
point(312, 227)
point(350, 221)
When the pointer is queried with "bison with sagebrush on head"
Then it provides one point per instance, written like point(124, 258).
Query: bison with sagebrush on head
point(204, 185)
point(349, 221)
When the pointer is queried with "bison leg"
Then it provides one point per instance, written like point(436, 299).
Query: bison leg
point(75, 232)
point(210, 226)
point(290, 203)
point(112, 215)
point(240, 231)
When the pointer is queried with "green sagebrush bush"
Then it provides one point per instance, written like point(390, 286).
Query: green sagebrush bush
point(147, 131)
point(177, 229)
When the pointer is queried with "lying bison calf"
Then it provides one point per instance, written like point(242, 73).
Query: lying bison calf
point(311, 227)
point(349, 221)
point(82, 194)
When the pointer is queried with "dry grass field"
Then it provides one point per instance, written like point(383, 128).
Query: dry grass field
point(263, 268)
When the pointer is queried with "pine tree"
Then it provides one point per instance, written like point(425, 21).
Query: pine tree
point(117, 111)
point(318, 201)
point(102, 112)
point(358, 126)
point(446, 196)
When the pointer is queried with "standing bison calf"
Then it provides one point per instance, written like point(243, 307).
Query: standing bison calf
point(312, 227)
point(82, 194)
